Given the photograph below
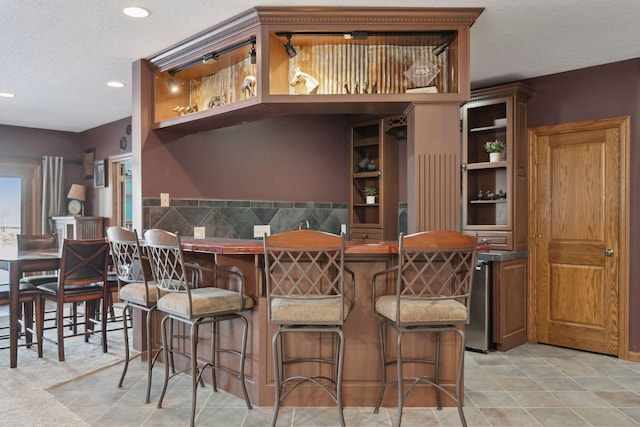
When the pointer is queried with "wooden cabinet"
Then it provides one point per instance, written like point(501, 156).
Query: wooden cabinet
point(494, 194)
point(270, 60)
point(78, 227)
point(509, 293)
point(373, 162)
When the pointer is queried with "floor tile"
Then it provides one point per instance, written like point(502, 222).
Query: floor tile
point(532, 385)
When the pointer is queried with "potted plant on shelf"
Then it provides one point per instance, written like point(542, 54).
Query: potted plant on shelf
point(495, 149)
point(370, 194)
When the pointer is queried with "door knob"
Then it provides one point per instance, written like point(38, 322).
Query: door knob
point(608, 252)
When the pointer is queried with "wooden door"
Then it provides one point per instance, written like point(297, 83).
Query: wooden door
point(577, 203)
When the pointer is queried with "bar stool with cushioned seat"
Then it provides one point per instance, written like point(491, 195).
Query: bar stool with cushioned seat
point(431, 296)
point(135, 290)
point(306, 293)
point(184, 299)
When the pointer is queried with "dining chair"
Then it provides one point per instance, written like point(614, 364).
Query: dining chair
point(135, 290)
point(83, 267)
point(306, 293)
point(29, 294)
point(184, 298)
point(38, 242)
point(431, 295)
point(29, 298)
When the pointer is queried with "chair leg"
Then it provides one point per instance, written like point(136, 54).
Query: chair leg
point(214, 356)
point(150, 356)
point(400, 377)
point(383, 377)
point(165, 352)
point(103, 323)
point(27, 319)
point(459, 377)
point(242, 359)
point(194, 370)
point(276, 347)
point(39, 323)
point(436, 370)
point(126, 309)
point(339, 362)
point(60, 330)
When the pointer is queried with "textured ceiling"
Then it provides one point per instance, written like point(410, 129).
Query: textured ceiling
point(58, 55)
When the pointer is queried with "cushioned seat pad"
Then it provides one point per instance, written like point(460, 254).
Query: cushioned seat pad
point(136, 292)
point(52, 288)
point(421, 310)
point(39, 280)
point(308, 309)
point(24, 288)
point(205, 302)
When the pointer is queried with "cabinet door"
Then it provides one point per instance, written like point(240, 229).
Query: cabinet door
point(509, 286)
point(486, 184)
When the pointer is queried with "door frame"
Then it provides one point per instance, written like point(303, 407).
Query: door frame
point(114, 162)
point(623, 127)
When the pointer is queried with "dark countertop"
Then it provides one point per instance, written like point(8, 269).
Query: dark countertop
point(227, 246)
point(502, 255)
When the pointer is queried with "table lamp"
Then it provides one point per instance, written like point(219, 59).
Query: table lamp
point(77, 195)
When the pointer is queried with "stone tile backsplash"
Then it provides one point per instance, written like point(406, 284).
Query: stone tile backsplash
point(236, 218)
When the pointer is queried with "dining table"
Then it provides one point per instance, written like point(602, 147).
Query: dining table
point(16, 263)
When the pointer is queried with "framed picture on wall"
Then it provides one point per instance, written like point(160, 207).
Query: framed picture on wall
point(89, 157)
point(100, 173)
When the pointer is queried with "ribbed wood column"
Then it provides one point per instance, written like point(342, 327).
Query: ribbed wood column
point(433, 169)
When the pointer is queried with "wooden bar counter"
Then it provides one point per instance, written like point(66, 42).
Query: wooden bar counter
point(361, 376)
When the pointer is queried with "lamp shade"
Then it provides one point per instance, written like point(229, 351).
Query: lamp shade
point(76, 192)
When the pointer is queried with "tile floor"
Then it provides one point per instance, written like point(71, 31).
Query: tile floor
point(532, 385)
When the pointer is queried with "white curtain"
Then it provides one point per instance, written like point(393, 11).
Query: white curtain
point(53, 190)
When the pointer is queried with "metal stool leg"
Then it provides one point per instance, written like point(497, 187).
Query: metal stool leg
point(383, 365)
point(276, 344)
point(126, 309)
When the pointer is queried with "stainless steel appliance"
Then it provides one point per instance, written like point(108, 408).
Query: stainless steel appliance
point(478, 331)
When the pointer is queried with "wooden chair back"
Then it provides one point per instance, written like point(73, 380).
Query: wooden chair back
point(34, 242)
point(83, 262)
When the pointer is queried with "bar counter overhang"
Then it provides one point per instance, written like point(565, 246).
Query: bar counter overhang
point(361, 377)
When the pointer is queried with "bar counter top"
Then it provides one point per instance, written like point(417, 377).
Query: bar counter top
point(228, 246)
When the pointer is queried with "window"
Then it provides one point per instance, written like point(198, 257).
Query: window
point(10, 209)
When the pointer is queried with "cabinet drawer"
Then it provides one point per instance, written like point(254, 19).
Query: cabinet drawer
point(365, 234)
point(496, 240)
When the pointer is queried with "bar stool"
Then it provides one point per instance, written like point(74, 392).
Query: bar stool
point(306, 293)
point(431, 295)
point(184, 299)
point(135, 290)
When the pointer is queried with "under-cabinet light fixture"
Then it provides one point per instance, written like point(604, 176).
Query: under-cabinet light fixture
point(213, 55)
point(290, 50)
point(438, 50)
point(252, 54)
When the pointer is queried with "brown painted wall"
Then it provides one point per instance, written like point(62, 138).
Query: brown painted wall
point(594, 93)
point(293, 158)
point(22, 144)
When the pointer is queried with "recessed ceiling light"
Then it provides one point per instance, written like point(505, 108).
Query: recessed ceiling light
point(115, 84)
point(136, 12)
point(7, 95)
